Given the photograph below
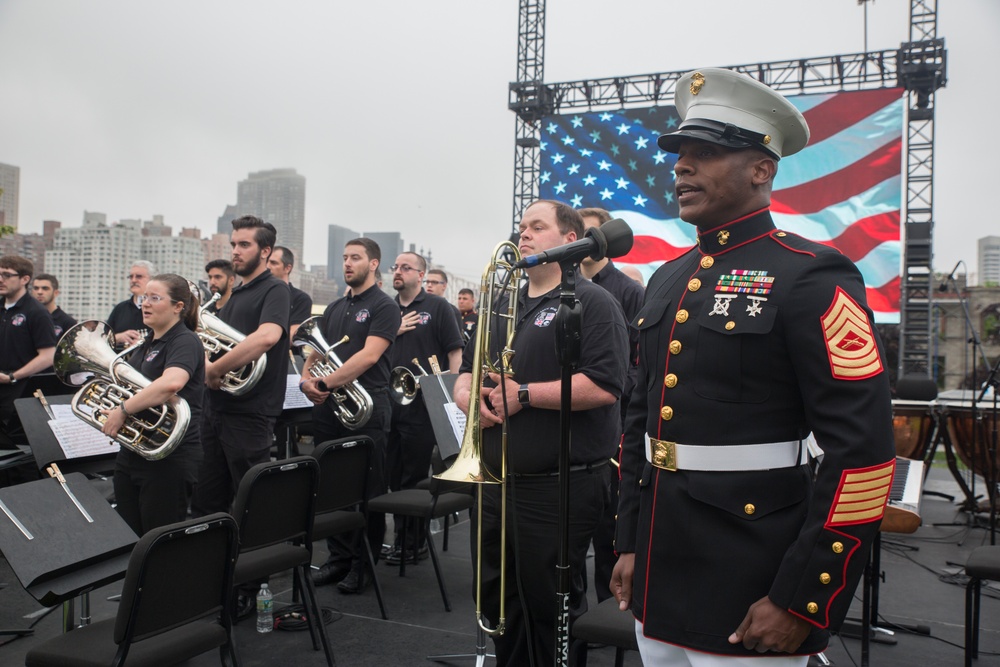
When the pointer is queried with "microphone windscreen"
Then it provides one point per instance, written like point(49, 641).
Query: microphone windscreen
point(619, 237)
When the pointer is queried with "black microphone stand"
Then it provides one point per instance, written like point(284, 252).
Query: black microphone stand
point(568, 321)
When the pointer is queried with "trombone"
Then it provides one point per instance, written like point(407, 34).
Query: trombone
point(468, 465)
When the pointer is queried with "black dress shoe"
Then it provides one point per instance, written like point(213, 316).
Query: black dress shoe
point(329, 574)
point(411, 556)
point(354, 583)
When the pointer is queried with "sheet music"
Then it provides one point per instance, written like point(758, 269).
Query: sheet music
point(294, 398)
point(64, 411)
point(78, 438)
point(457, 419)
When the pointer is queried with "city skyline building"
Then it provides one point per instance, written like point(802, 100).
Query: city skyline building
point(988, 260)
point(10, 184)
point(277, 196)
point(336, 238)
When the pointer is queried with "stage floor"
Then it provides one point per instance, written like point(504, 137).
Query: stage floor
point(924, 585)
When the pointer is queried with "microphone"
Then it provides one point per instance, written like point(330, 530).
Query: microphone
point(612, 239)
point(944, 285)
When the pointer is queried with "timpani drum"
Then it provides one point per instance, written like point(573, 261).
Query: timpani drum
point(972, 439)
point(914, 424)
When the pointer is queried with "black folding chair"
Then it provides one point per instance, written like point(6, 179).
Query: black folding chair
point(274, 507)
point(342, 502)
point(175, 603)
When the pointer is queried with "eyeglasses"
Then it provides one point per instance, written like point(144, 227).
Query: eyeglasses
point(435, 282)
point(7, 275)
point(155, 299)
point(405, 268)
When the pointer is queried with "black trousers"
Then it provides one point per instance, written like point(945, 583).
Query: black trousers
point(532, 554)
point(231, 445)
point(150, 494)
point(348, 550)
point(604, 538)
point(8, 394)
point(410, 446)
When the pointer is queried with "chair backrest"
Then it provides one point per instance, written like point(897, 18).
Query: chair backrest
point(275, 502)
point(343, 473)
point(177, 574)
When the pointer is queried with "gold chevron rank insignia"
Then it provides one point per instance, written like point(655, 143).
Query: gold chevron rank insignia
point(862, 495)
point(850, 342)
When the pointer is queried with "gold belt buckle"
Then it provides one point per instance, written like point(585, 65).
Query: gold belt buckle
point(664, 454)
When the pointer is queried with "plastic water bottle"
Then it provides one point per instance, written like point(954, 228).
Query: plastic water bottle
point(265, 618)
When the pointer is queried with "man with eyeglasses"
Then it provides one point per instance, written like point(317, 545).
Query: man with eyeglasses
point(436, 283)
point(428, 329)
point(126, 317)
point(370, 320)
point(27, 337)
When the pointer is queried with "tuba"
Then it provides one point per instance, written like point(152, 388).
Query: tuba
point(353, 403)
point(217, 337)
point(499, 277)
point(85, 356)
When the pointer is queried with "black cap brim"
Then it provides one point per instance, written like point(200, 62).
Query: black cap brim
point(704, 131)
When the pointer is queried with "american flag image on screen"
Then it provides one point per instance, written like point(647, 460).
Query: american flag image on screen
point(844, 189)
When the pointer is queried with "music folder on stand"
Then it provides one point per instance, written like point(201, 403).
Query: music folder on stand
point(66, 555)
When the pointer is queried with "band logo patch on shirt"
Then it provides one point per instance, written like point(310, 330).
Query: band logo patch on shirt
point(862, 495)
point(745, 281)
point(362, 315)
point(423, 317)
point(544, 317)
point(850, 342)
point(151, 355)
point(18, 320)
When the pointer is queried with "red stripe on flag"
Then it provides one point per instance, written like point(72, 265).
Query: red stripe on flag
point(846, 109)
point(884, 299)
point(866, 234)
point(841, 185)
point(647, 249)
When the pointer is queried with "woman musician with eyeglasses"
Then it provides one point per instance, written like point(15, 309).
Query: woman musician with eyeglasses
point(155, 493)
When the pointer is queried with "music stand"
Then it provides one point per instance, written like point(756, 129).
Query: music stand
point(44, 445)
point(66, 555)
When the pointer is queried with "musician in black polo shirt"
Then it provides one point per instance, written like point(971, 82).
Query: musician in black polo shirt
point(221, 279)
point(237, 430)
point(126, 317)
point(428, 328)
point(533, 395)
point(45, 289)
point(27, 337)
point(371, 319)
point(280, 263)
point(155, 493)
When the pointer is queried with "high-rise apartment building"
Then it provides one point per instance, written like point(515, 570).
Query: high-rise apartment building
point(277, 196)
point(92, 263)
point(989, 260)
point(10, 184)
point(391, 244)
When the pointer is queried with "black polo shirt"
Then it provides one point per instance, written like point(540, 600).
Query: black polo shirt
point(125, 316)
point(629, 295)
point(62, 321)
point(301, 306)
point(264, 299)
point(371, 313)
point(436, 333)
point(25, 328)
point(533, 441)
point(178, 348)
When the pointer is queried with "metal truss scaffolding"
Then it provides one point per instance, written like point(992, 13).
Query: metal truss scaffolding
point(918, 66)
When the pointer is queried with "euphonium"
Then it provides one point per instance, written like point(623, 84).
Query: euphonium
point(85, 356)
point(468, 465)
point(353, 403)
point(218, 338)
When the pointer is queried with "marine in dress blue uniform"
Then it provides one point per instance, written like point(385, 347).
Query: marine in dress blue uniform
point(748, 342)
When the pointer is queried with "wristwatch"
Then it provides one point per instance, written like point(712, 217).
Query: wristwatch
point(10, 376)
point(322, 385)
point(523, 397)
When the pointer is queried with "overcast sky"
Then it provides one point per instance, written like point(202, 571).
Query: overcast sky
point(396, 111)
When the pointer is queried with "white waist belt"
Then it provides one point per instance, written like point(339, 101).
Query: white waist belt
point(765, 456)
